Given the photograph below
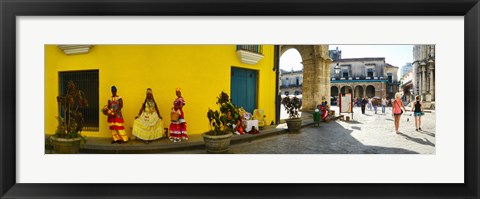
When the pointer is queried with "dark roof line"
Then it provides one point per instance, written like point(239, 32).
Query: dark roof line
point(360, 59)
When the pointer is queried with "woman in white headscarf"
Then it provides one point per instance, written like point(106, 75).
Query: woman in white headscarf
point(148, 125)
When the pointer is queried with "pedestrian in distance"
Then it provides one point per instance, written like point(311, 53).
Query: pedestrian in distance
point(397, 110)
point(375, 104)
point(364, 103)
point(370, 104)
point(384, 103)
point(417, 109)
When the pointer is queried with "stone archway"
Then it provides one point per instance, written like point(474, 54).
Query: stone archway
point(346, 89)
point(370, 91)
point(316, 73)
point(334, 91)
point(358, 92)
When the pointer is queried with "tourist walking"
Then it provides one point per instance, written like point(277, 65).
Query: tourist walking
point(417, 109)
point(369, 103)
point(384, 103)
point(397, 110)
point(375, 104)
point(363, 103)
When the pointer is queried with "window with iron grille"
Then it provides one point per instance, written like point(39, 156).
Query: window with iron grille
point(252, 48)
point(86, 81)
point(370, 72)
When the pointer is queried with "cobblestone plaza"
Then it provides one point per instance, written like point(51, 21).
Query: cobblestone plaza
point(365, 134)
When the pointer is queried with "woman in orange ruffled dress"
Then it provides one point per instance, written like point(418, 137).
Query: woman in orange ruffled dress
point(115, 118)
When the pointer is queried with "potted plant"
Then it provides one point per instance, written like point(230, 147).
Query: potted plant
point(67, 137)
point(217, 140)
point(294, 122)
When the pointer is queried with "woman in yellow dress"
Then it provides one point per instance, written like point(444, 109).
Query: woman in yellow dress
point(148, 125)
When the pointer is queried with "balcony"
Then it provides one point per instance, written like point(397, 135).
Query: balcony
point(356, 78)
point(250, 54)
point(291, 86)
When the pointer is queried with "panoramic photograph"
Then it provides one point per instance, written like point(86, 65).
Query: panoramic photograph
point(239, 99)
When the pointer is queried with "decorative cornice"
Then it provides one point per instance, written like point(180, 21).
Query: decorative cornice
point(248, 57)
point(75, 49)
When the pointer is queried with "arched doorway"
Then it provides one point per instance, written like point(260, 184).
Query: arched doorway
point(346, 89)
point(315, 61)
point(334, 91)
point(290, 75)
point(407, 95)
point(358, 92)
point(334, 95)
point(370, 91)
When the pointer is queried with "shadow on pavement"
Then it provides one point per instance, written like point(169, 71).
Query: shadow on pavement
point(329, 138)
point(428, 133)
point(356, 128)
point(336, 132)
point(353, 122)
point(417, 140)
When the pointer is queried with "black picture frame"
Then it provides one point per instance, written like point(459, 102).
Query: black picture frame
point(10, 9)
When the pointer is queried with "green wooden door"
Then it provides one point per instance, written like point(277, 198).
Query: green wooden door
point(243, 89)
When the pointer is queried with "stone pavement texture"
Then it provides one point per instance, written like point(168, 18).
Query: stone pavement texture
point(365, 134)
point(164, 145)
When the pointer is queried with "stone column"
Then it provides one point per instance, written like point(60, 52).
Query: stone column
point(308, 85)
point(318, 81)
point(432, 82)
point(423, 80)
point(364, 91)
point(327, 79)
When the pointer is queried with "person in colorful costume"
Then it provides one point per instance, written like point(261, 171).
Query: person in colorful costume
point(115, 118)
point(178, 128)
point(148, 125)
point(324, 109)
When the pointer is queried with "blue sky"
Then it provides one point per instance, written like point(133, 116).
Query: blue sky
point(396, 55)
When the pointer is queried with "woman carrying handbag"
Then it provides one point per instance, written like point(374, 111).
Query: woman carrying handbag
point(397, 110)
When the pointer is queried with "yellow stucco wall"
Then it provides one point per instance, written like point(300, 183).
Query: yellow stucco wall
point(201, 71)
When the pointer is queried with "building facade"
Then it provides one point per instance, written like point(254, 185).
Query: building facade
point(200, 71)
point(424, 72)
point(335, 54)
point(291, 82)
point(370, 77)
point(405, 69)
point(406, 87)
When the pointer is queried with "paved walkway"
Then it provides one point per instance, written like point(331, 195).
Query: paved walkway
point(164, 145)
point(366, 134)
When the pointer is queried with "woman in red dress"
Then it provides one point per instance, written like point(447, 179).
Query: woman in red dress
point(115, 118)
point(178, 127)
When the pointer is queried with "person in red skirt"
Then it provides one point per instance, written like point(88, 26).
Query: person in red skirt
point(178, 127)
point(115, 117)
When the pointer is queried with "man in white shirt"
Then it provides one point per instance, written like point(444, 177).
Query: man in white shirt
point(384, 103)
